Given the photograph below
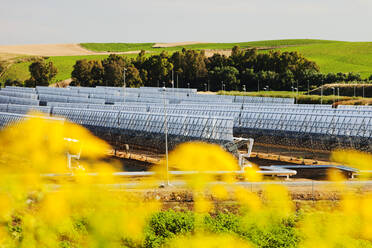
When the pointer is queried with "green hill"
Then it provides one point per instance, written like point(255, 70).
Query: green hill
point(331, 56)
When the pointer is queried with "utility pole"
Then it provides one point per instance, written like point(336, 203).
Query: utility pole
point(333, 88)
point(166, 136)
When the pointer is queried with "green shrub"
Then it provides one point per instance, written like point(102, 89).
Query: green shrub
point(272, 235)
point(166, 225)
point(222, 223)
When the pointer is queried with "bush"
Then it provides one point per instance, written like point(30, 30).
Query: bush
point(222, 223)
point(272, 235)
point(166, 225)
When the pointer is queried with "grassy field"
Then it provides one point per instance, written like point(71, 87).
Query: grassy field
point(331, 56)
point(117, 47)
point(339, 56)
point(125, 47)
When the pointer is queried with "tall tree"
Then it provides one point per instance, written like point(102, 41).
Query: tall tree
point(114, 67)
point(42, 73)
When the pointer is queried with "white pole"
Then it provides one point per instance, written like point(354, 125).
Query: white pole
point(166, 137)
point(333, 88)
point(124, 83)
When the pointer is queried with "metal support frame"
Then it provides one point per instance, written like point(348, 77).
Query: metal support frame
point(73, 156)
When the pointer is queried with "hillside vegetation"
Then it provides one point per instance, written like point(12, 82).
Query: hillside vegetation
point(331, 56)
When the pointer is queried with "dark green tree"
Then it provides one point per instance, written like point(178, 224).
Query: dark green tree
point(82, 73)
point(224, 75)
point(114, 70)
point(132, 77)
point(42, 73)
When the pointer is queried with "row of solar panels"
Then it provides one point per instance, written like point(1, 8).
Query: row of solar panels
point(192, 127)
point(314, 124)
point(112, 95)
point(149, 89)
point(335, 122)
point(212, 109)
point(47, 98)
point(11, 118)
point(188, 91)
point(235, 112)
point(24, 109)
point(355, 107)
point(105, 98)
point(145, 128)
point(238, 112)
point(18, 100)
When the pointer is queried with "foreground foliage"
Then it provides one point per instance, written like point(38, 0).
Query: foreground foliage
point(92, 211)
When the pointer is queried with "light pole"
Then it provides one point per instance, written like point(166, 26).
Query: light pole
point(297, 95)
point(172, 78)
point(244, 89)
point(296, 89)
point(222, 85)
point(321, 95)
point(338, 94)
point(166, 137)
point(205, 86)
point(258, 85)
point(333, 88)
point(308, 87)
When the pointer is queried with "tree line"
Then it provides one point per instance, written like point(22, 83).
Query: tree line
point(247, 69)
point(244, 69)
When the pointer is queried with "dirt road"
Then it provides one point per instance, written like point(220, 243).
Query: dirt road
point(52, 50)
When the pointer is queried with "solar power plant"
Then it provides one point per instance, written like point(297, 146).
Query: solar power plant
point(137, 116)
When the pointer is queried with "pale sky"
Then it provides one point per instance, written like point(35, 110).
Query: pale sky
point(76, 21)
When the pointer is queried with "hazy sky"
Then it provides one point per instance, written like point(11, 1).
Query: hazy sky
point(74, 21)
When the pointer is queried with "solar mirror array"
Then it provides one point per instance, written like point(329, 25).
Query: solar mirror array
point(137, 116)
